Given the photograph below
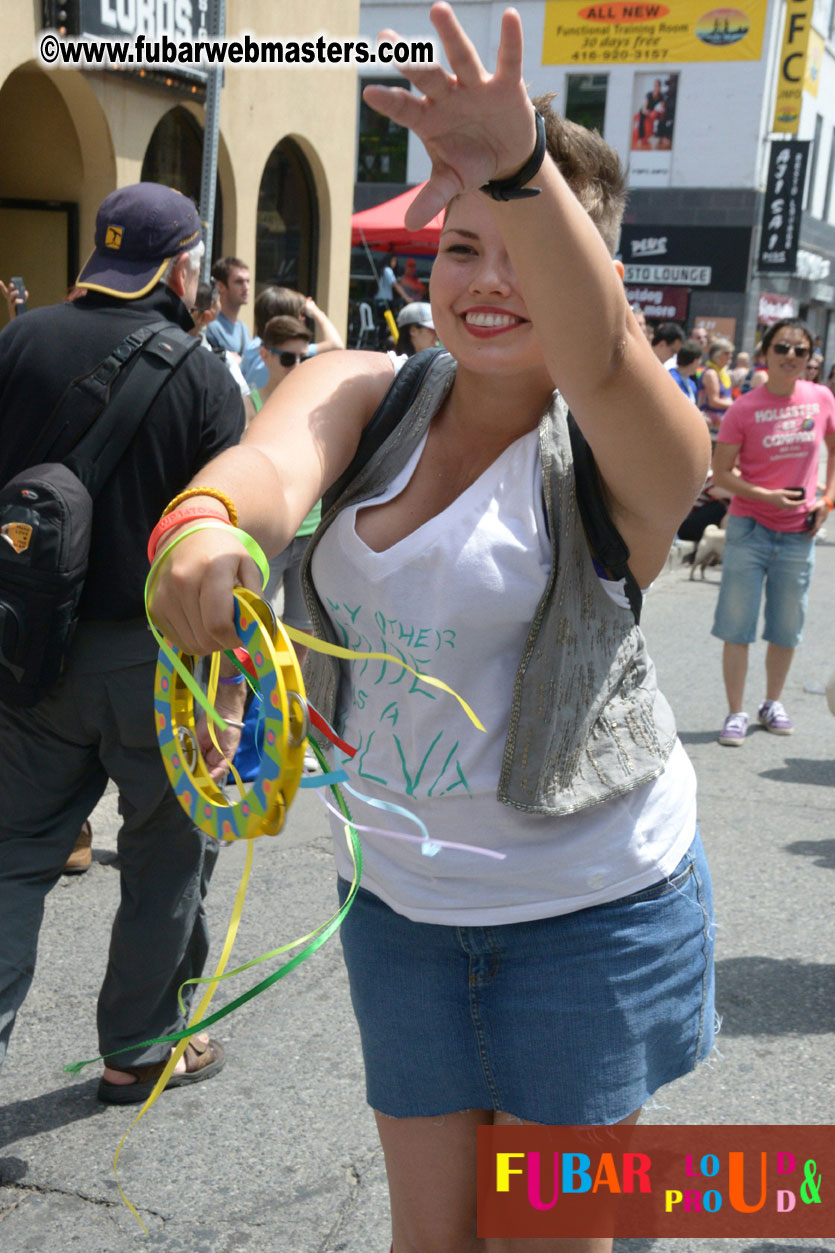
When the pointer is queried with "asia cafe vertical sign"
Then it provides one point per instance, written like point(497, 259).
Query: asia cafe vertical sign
point(782, 206)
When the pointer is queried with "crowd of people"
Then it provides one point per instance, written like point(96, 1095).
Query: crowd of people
point(462, 528)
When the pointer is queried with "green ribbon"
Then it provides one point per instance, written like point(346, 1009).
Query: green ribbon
point(256, 553)
point(75, 1068)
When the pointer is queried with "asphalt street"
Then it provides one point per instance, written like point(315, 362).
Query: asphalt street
point(278, 1153)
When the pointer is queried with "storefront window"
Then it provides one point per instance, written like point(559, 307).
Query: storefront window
point(383, 145)
point(585, 100)
point(287, 228)
point(174, 157)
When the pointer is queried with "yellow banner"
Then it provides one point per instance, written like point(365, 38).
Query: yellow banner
point(814, 63)
point(791, 69)
point(621, 33)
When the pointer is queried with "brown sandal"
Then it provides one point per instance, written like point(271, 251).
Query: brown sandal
point(203, 1058)
point(82, 854)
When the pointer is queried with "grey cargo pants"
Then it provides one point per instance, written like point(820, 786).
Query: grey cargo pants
point(55, 760)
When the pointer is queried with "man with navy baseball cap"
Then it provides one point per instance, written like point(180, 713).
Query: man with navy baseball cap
point(97, 723)
point(140, 230)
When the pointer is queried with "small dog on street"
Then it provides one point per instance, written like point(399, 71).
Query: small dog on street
point(710, 549)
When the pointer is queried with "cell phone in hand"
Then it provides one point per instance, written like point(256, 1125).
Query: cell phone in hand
point(20, 287)
point(810, 519)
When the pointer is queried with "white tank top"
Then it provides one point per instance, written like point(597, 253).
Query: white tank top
point(455, 599)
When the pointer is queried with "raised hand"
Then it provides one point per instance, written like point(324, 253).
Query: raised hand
point(474, 125)
point(12, 298)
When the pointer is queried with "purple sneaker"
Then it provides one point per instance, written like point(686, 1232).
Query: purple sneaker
point(733, 732)
point(774, 718)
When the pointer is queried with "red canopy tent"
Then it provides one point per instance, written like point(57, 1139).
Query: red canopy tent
point(383, 228)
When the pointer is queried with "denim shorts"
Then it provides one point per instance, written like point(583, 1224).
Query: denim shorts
point(753, 554)
point(575, 1019)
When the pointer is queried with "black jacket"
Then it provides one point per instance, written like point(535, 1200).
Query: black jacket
point(198, 414)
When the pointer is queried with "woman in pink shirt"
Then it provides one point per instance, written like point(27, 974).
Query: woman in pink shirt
point(767, 455)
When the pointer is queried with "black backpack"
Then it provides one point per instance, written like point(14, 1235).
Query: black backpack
point(46, 511)
point(605, 541)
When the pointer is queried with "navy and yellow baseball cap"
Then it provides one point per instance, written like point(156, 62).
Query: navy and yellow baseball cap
point(138, 230)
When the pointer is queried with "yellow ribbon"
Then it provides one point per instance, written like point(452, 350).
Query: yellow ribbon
point(333, 650)
point(199, 1013)
point(348, 654)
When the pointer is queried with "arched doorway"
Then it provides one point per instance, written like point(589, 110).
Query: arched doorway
point(287, 227)
point(44, 148)
point(174, 157)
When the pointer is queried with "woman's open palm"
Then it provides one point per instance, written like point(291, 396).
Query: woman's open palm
point(474, 125)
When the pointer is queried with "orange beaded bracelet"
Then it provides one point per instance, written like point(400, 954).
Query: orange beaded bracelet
point(214, 492)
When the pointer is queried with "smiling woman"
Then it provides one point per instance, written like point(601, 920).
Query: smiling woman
point(767, 455)
point(459, 547)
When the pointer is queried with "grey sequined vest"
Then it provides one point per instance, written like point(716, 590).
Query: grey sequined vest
point(587, 721)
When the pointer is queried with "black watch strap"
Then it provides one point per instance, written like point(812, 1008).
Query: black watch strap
point(513, 188)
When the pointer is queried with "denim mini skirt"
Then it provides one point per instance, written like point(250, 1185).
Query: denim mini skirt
point(574, 1019)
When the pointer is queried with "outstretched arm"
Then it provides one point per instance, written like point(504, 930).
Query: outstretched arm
point(650, 444)
point(297, 446)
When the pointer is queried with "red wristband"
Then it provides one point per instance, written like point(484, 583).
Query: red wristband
point(828, 503)
point(177, 518)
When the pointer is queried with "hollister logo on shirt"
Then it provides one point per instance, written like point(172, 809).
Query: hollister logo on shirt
point(784, 412)
point(17, 534)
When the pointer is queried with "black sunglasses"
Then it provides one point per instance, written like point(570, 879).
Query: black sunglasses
point(783, 350)
point(289, 359)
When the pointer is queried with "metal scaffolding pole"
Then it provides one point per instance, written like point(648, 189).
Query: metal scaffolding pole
point(208, 174)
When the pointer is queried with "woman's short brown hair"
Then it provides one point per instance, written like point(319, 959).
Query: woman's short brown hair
point(279, 330)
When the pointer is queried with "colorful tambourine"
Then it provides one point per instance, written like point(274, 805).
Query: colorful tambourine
point(263, 809)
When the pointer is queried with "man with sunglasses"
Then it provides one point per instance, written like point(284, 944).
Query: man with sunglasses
point(285, 343)
point(767, 454)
